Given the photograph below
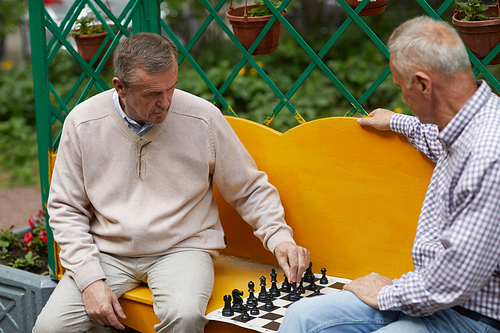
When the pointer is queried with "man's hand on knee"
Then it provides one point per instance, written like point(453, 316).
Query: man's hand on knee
point(102, 305)
point(368, 287)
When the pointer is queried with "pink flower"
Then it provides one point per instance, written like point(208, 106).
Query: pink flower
point(43, 235)
point(28, 237)
point(41, 213)
point(32, 222)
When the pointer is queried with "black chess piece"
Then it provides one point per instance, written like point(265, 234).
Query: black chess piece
point(285, 287)
point(254, 311)
point(323, 279)
point(245, 316)
point(292, 296)
point(263, 293)
point(237, 300)
point(300, 288)
point(251, 297)
point(274, 289)
point(309, 276)
point(269, 304)
point(227, 311)
point(316, 291)
point(312, 285)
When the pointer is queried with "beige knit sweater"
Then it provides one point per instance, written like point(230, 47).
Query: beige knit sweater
point(113, 191)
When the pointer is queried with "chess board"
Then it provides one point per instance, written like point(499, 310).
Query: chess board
point(269, 320)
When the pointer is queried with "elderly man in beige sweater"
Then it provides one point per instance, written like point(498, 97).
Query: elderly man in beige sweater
point(131, 198)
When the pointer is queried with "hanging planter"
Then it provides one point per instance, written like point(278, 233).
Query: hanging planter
point(480, 37)
point(374, 7)
point(89, 44)
point(246, 28)
point(89, 36)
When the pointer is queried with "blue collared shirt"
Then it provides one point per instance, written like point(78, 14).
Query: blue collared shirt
point(138, 129)
point(456, 251)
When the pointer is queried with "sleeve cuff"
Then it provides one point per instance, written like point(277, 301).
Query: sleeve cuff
point(279, 237)
point(87, 275)
point(386, 300)
point(401, 123)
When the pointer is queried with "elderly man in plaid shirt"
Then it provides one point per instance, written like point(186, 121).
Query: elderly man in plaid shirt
point(455, 286)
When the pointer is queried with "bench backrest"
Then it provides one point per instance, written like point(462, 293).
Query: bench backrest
point(352, 195)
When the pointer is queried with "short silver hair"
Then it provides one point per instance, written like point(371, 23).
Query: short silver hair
point(152, 52)
point(428, 44)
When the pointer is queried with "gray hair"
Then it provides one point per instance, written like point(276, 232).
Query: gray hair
point(428, 44)
point(149, 51)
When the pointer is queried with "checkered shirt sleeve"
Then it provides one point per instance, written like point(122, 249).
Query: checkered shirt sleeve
point(456, 251)
point(422, 136)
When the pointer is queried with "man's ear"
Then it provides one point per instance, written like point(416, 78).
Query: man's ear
point(119, 87)
point(423, 82)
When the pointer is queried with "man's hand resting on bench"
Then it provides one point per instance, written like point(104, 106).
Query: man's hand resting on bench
point(293, 259)
point(379, 119)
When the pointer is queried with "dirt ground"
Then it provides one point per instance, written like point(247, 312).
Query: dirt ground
point(17, 205)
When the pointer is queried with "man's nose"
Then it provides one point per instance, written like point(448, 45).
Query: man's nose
point(164, 100)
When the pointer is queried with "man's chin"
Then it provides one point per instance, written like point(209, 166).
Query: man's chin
point(157, 118)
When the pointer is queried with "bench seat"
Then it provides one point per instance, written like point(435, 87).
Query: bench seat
point(352, 196)
point(231, 273)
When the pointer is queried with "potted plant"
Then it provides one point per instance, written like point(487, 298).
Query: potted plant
point(374, 7)
point(248, 22)
point(89, 34)
point(24, 284)
point(479, 27)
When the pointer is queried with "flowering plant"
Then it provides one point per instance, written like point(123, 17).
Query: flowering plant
point(30, 253)
point(87, 23)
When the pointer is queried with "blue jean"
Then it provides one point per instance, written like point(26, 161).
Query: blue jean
point(344, 312)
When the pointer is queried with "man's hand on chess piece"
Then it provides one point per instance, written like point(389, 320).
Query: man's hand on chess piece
point(293, 259)
point(102, 305)
point(368, 287)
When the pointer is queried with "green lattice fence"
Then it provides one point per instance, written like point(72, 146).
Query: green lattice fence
point(52, 105)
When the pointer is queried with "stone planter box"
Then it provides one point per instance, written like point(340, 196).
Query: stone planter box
point(22, 297)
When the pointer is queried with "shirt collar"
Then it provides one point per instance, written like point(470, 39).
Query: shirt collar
point(455, 127)
point(131, 123)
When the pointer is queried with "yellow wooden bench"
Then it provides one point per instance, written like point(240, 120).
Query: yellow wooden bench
point(352, 196)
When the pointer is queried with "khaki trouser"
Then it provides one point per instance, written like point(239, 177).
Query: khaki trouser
point(181, 284)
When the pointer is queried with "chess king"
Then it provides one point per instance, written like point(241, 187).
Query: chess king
point(131, 198)
point(455, 286)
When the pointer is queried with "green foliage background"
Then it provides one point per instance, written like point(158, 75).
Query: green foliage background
point(354, 59)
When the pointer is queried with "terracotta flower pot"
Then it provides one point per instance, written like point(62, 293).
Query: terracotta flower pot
point(480, 36)
point(247, 28)
point(374, 7)
point(89, 44)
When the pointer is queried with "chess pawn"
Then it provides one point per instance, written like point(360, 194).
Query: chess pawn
point(245, 316)
point(300, 289)
point(323, 279)
point(254, 311)
point(312, 285)
point(285, 287)
point(269, 304)
point(251, 297)
point(309, 276)
point(292, 296)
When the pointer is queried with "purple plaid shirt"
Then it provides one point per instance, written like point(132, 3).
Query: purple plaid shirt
point(456, 251)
